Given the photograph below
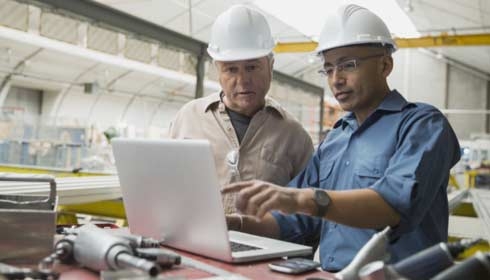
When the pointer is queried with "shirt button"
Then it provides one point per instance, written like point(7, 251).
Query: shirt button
point(347, 163)
point(330, 259)
point(335, 226)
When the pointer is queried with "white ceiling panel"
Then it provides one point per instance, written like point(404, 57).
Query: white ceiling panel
point(212, 8)
point(458, 17)
point(12, 52)
point(153, 87)
point(179, 24)
point(102, 74)
point(283, 60)
point(476, 57)
point(200, 23)
point(283, 32)
point(204, 12)
point(294, 68)
point(455, 17)
point(203, 35)
point(441, 14)
point(37, 84)
point(127, 83)
point(66, 67)
point(475, 4)
point(485, 13)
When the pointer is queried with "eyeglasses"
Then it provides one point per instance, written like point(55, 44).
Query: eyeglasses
point(350, 65)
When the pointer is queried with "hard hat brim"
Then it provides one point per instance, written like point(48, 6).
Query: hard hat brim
point(238, 54)
point(321, 49)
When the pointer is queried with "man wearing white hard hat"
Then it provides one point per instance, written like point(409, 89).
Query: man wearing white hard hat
point(385, 163)
point(252, 136)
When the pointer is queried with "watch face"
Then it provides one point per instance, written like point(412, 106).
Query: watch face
point(322, 198)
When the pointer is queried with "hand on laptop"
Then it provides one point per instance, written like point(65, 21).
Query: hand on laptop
point(256, 198)
point(234, 222)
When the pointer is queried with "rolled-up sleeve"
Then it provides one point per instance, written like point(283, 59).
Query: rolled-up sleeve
point(418, 170)
point(298, 228)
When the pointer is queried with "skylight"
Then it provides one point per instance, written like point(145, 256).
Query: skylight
point(308, 16)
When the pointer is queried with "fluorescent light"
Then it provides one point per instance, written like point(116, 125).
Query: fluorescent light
point(69, 49)
point(308, 16)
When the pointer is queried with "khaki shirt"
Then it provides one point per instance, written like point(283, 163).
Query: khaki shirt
point(275, 147)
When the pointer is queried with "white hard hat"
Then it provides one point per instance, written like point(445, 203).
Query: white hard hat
point(240, 33)
point(353, 25)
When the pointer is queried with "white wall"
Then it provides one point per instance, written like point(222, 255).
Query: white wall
point(49, 99)
point(421, 77)
point(28, 99)
point(467, 92)
point(74, 104)
point(144, 117)
point(107, 108)
point(139, 112)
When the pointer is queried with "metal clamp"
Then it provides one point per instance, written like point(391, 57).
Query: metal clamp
point(29, 201)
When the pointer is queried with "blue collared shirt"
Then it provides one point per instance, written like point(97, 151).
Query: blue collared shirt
point(404, 152)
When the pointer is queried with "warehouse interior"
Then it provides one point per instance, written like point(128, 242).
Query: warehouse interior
point(76, 74)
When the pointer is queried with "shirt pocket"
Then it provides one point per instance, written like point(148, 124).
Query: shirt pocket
point(368, 172)
point(326, 168)
point(274, 166)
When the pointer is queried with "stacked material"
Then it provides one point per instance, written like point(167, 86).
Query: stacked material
point(70, 190)
point(481, 203)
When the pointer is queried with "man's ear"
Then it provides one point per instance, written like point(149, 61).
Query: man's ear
point(387, 66)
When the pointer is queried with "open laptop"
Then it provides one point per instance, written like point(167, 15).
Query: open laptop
point(171, 193)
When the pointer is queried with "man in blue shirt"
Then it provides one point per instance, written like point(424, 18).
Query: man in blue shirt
point(385, 163)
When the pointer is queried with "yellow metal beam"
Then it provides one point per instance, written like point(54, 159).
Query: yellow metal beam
point(421, 42)
point(295, 47)
point(444, 40)
point(106, 208)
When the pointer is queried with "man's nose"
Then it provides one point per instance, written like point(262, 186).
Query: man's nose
point(244, 77)
point(338, 77)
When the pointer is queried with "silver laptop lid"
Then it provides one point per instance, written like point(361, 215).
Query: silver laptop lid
point(167, 188)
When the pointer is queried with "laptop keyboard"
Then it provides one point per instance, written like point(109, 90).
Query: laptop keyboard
point(239, 247)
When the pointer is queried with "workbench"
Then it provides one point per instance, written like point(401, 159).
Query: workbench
point(253, 270)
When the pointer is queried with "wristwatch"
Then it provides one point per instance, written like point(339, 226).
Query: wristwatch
point(322, 200)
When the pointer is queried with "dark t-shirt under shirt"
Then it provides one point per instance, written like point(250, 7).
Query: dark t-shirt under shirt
point(240, 123)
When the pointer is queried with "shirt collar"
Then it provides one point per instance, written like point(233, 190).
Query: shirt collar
point(213, 101)
point(393, 102)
